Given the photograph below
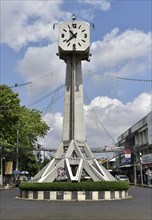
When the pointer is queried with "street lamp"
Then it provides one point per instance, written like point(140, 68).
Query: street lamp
point(141, 167)
point(134, 166)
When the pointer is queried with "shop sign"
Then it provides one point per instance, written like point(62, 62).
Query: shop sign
point(126, 161)
point(147, 158)
point(127, 153)
point(8, 167)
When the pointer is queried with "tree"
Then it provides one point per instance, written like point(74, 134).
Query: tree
point(9, 115)
point(19, 129)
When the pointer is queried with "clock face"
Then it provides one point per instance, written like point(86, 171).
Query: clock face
point(74, 36)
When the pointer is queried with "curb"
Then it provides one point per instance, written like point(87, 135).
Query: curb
point(73, 195)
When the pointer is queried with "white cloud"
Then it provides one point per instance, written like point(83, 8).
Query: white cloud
point(122, 54)
point(103, 5)
point(28, 21)
point(37, 62)
point(115, 116)
point(126, 53)
point(53, 138)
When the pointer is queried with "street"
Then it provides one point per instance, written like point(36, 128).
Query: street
point(137, 207)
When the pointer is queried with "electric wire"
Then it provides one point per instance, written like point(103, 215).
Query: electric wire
point(99, 120)
point(51, 73)
point(19, 85)
point(112, 76)
point(121, 78)
point(45, 96)
point(50, 104)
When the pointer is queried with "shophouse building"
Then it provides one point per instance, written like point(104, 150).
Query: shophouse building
point(136, 158)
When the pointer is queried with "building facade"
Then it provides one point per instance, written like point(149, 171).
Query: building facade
point(136, 158)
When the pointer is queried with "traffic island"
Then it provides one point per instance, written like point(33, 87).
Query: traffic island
point(67, 191)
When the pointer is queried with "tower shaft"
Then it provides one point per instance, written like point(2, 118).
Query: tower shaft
point(73, 120)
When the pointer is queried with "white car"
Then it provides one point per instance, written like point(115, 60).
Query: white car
point(122, 178)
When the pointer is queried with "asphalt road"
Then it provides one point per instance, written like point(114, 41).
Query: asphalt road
point(139, 207)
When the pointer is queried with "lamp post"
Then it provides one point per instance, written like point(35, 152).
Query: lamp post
point(134, 166)
point(17, 161)
point(135, 174)
point(141, 167)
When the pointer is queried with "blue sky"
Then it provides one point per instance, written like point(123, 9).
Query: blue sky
point(121, 50)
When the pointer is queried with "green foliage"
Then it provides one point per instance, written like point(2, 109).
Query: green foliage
point(73, 186)
point(9, 115)
point(31, 126)
point(19, 127)
point(29, 163)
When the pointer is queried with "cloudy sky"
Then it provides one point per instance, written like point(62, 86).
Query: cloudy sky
point(116, 93)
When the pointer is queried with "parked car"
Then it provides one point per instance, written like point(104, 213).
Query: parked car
point(122, 178)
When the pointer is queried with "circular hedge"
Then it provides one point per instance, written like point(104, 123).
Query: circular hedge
point(74, 186)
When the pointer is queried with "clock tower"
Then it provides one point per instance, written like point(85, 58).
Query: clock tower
point(74, 46)
point(73, 160)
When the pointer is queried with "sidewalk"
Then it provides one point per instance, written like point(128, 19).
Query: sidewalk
point(6, 187)
point(138, 184)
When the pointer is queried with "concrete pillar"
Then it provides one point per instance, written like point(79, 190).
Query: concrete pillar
point(73, 120)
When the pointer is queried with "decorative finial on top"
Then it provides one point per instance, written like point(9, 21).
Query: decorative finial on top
point(73, 17)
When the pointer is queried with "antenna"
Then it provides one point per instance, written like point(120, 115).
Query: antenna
point(54, 25)
point(73, 17)
point(93, 26)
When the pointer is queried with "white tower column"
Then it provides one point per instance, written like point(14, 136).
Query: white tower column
point(73, 120)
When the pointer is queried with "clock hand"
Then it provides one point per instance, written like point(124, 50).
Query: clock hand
point(71, 32)
point(70, 38)
point(73, 36)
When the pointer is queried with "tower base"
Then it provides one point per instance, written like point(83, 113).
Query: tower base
point(73, 162)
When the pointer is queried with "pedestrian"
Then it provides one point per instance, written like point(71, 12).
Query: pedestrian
point(149, 177)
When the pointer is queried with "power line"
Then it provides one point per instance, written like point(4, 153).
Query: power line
point(112, 76)
point(30, 82)
point(46, 96)
point(121, 78)
point(19, 85)
point(131, 79)
point(100, 121)
point(50, 104)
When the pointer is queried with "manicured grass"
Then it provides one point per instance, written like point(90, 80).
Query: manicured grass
point(73, 186)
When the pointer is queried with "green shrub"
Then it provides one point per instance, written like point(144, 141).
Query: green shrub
point(74, 186)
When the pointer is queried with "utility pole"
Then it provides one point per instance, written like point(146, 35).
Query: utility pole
point(17, 161)
point(134, 165)
point(141, 173)
point(2, 165)
point(135, 174)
